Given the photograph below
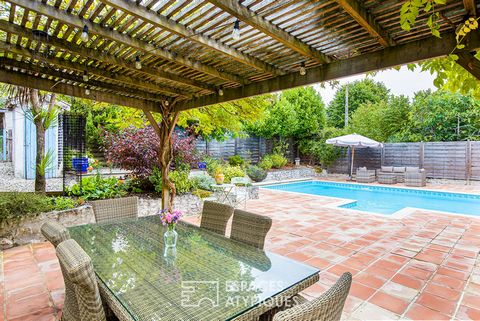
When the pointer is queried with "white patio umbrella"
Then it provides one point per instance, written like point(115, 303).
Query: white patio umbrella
point(353, 141)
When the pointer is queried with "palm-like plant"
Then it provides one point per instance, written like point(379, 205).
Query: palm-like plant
point(41, 108)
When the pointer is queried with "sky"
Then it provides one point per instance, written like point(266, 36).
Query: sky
point(402, 82)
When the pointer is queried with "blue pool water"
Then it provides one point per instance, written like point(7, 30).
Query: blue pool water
point(386, 200)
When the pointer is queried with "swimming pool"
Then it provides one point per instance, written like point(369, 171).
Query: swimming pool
point(387, 200)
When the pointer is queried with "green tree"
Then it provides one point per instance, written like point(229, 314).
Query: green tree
point(297, 113)
point(442, 116)
point(359, 92)
point(226, 119)
point(380, 120)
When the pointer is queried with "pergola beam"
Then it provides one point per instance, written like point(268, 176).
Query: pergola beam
point(471, 7)
point(109, 59)
point(77, 22)
point(389, 57)
point(163, 22)
point(58, 74)
point(66, 64)
point(469, 63)
point(26, 80)
point(235, 9)
point(365, 19)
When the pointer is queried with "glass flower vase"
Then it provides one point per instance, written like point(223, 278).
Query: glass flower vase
point(170, 237)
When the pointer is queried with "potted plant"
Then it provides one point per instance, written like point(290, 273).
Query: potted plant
point(219, 177)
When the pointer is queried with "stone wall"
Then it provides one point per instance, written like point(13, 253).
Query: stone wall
point(29, 230)
point(294, 173)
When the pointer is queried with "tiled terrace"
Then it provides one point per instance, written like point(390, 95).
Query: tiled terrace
point(423, 267)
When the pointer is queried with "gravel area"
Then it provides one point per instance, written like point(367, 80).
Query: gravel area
point(10, 183)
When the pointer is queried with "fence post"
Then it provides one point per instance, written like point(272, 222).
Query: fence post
point(468, 161)
point(382, 155)
point(421, 154)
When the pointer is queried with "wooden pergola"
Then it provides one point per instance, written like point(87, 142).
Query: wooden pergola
point(172, 55)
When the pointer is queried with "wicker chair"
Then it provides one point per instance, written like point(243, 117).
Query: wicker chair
point(112, 210)
point(82, 297)
point(215, 216)
point(250, 228)
point(365, 176)
point(54, 232)
point(327, 307)
point(416, 178)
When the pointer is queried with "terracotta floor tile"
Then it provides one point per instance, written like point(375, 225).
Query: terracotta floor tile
point(471, 300)
point(417, 273)
point(445, 280)
point(370, 280)
point(467, 313)
point(408, 281)
point(436, 303)
point(443, 291)
point(420, 312)
point(318, 262)
point(361, 291)
point(389, 302)
point(461, 275)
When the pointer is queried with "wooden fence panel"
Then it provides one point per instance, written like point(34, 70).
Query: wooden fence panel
point(402, 154)
point(475, 160)
point(441, 160)
point(445, 160)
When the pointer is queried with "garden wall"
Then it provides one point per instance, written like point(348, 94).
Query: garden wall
point(441, 160)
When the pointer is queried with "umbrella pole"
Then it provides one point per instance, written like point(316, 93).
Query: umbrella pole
point(351, 165)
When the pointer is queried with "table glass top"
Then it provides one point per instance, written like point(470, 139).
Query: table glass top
point(208, 277)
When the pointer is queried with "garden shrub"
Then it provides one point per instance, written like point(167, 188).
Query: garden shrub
point(266, 162)
point(256, 173)
point(180, 178)
point(278, 160)
point(204, 182)
point(64, 203)
point(232, 171)
point(96, 188)
point(212, 164)
point(201, 193)
point(183, 184)
point(16, 206)
point(236, 160)
point(136, 149)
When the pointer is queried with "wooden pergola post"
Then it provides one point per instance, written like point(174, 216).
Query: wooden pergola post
point(165, 153)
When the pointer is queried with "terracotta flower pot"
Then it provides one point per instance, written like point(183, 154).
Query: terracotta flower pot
point(219, 178)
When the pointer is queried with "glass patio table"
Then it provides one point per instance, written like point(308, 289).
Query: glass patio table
point(207, 277)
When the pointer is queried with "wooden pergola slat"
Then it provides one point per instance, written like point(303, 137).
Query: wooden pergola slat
point(25, 80)
point(249, 17)
point(176, 28)
point(75, 21)
point(93, 54)
point(365, 19)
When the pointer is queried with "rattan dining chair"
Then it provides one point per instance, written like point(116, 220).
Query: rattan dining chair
point(215, 216)
point(82, 297)
point(54, 232)
point(327, 307)
point(250, 228)
point(112, 210)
